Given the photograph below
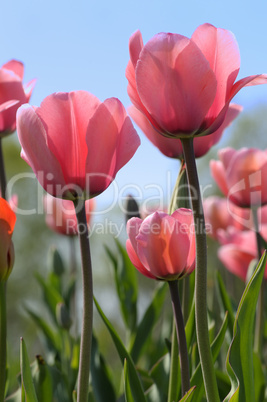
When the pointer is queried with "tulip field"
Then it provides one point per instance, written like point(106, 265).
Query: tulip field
point(160, 304)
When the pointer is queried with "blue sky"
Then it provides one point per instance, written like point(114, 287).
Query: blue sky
point(84, 45)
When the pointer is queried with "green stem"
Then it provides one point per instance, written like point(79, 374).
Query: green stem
point(259, 324)
point(73, 273)
point(201, 275)
point(2, 340)
point(180, 329)
point(174, 367)
point(2, 172)
point(87, 320)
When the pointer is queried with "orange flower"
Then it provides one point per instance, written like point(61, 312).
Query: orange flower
point(7, 224)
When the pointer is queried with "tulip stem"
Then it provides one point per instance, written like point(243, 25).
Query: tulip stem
point(201, 311)
point(180, 330)
point(2, 340)
point(2, 172)
point(259, 324)
point(87, 320)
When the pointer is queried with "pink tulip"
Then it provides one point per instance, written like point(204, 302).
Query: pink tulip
point(239, 249)
point(184, 86)
point(7, 224)
point(162, 246)
point(76, 144)
point(12, 94)
point(220, 213)
point(172, 147)
point(61, 215)
point(242, 176)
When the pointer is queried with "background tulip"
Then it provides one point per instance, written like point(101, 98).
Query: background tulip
point(162, 246)
point(220, 213)
point(76, 144)
point(242, 176)
point(184, 86)
point(12, 94)
point(61, 217)
point(239, 249)
point(7, 224)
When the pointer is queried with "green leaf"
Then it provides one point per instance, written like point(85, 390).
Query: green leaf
point(42, 380)
point(160, 375)
point(197, 378)
point(135, 384)
point(190, 326)
point(101, 379)
point(189, 395)
point(51, 338)
point(126, 285)
point(15, 397)
point(239, 362)
point(260, 383)
point(127, 387)
point(27, 380)
point(148, 321)
point(51, 295)
point(226, 303)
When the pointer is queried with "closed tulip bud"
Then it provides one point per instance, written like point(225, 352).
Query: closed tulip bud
point(7, 224)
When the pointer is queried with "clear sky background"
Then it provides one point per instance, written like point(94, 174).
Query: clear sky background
point(84, 45)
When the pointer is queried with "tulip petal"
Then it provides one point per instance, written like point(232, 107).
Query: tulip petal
point(28, 88)
point(65, 117)
point(170, 147)
point(203, 144)
point(220, 48)
point(218, 173)
point(128, 140)
point(156, 234)
point(235, 260)
point(136, 262)
point(175, 83)
point(36, 152)
point(16, 67)
point(111, 127)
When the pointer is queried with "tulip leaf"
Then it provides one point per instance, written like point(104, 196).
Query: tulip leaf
point(190, 326)
point(239, 362)
point(26, 376)
point(148, 321)
point(135, 384)
point(50, 337)
point(127, 387)
point(260, 382)
point(101, 379)
point(197, 378)
point(16, 396)
point(51, 296)
point(189, 395)
point(126, 284)
point(42, 379)
point(226, 302)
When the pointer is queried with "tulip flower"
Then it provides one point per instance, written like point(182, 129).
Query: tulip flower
point(12, 94)
point(184, 86)
point(172, 147)
point(76, 144)
point(7, 224)
point(61, 216)
point(238, 250)
point(162, 246)
point(220, 213)
point(242, 176)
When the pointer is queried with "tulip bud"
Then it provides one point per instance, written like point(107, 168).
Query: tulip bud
point(132, 208)
point(7, 223)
